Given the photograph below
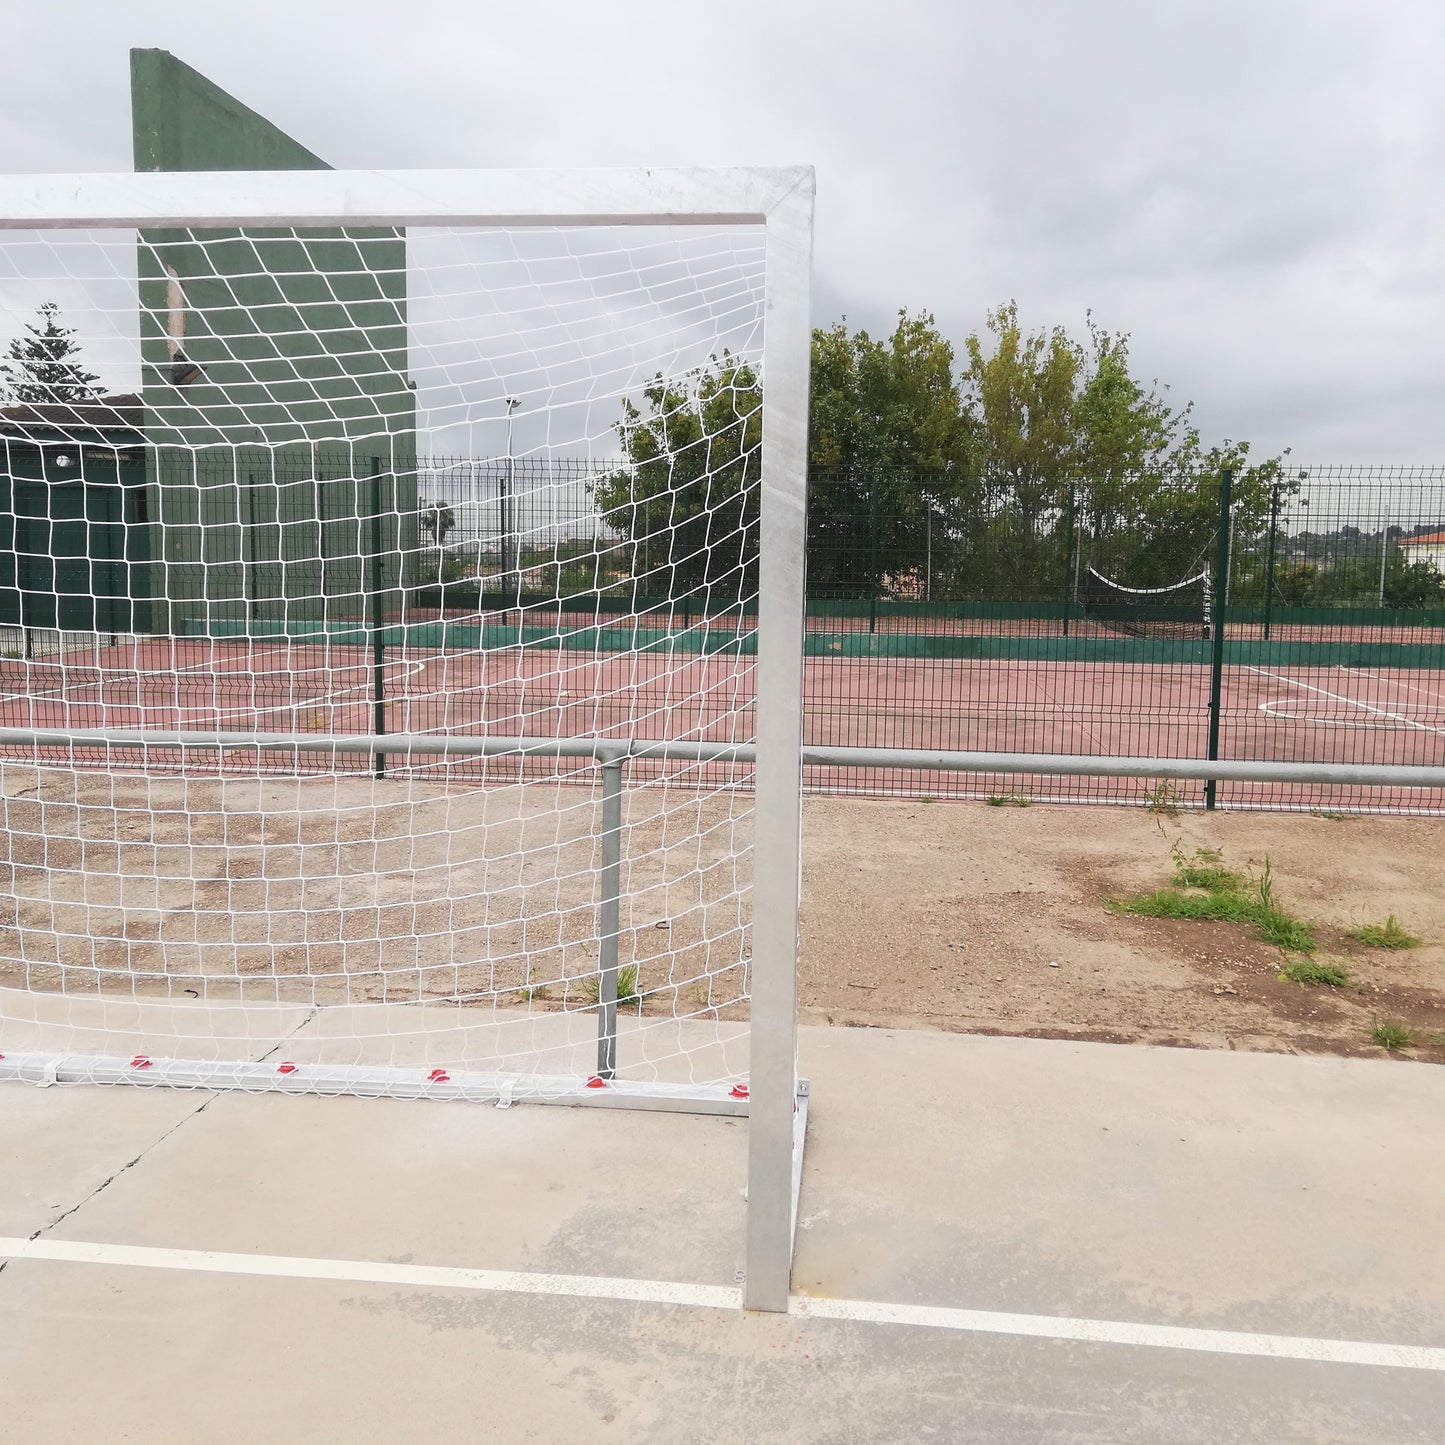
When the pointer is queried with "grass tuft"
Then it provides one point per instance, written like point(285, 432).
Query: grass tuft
point(1308, 972)
point(1206, 889)
point(1389, 934)
point(1205, 870)
point(1008, 800)
point(1392, 1036)
point(628, 990)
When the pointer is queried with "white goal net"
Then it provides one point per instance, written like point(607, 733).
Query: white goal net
point(380, 608)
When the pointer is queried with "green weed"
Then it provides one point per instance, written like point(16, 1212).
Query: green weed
point(1392, 1036)
point(1329, 816)
point(534, 993)
point(1008, 800)
point(1163, 798)
point(1310, 971)
point(628, 990)
point(1206, 889)
point(1206, 870)
point(1389, 934)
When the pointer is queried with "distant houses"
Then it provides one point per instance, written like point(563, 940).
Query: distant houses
point(1427, 548)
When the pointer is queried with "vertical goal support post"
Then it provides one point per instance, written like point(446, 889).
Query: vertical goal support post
point(780, 201)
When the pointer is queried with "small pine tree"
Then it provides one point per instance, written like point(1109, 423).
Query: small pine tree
point(43, 365)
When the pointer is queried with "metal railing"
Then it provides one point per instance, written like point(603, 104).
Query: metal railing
point(612, 756)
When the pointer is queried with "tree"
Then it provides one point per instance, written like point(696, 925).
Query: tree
point(437, 519)
point(888, 449)
point(1076, 457)
point(43, 366)
point(688, 499)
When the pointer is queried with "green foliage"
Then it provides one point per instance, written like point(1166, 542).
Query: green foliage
point(1205, 889)
point(1008, 800)
point(629, 991)
point(688, 502)
point(1205, 869)
point(988, 475)
point(1393, 1036)
point(436, 519)
point(1389, 934)
point(1412, 584)
point(1310, 972)
point(888, 444)
point(1163, 798)
point(44, 366)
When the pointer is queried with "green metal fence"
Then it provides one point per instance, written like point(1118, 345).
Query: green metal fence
point(1301, 616)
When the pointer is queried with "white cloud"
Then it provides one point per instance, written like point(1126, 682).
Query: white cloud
point(1251, 190)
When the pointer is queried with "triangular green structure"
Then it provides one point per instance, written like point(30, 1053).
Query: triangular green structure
point(283, 431)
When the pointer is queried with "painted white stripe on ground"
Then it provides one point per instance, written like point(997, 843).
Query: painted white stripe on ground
point(1115, 1332)
point(355, 1271)
point(698, 1296)
point(1394, 682)
point(1399, 717)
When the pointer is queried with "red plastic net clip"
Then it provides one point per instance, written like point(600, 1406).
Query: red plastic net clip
point(287, 1068)
point(141, 1061)
point(738, 1091)
point(596, 1082)
point(438, 1076)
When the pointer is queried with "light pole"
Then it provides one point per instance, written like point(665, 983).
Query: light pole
point(511, 584)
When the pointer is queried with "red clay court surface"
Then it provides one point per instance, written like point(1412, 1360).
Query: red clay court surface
point(1300, 714)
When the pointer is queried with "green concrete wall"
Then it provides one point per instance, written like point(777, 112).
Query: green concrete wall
point(302, 339)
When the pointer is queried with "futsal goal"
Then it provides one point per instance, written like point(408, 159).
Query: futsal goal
point(317, 802)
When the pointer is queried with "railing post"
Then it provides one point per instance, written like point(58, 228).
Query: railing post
point(378, 644)
point(1221, 588)
point(609, 921)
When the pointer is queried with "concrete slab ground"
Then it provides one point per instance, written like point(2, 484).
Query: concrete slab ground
point(1273, 1195)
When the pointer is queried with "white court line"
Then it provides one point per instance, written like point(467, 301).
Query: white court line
point(1394, 682)
point(698, 1296)
point(1399, 717)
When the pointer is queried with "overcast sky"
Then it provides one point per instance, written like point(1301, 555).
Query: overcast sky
point(1252, 190)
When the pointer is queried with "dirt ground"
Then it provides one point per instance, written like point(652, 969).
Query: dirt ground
point(980, 919)
point(949, 915)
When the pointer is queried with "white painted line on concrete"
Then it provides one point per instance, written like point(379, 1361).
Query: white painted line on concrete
point(355, 1271)
point(1114, 1332)
point(700, 1296)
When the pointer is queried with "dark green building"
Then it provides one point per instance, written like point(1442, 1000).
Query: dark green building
point(281, 421)
point(74, 518)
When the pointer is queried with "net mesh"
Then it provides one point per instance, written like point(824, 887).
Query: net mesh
point(1181, 610)
point(237, 528)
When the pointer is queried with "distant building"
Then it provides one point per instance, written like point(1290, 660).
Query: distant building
point(1429, 548)
point(75, 549)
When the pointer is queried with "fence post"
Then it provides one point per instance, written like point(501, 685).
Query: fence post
point(608, 922)
point(1269, 557)
point(378, 644)
point(1384, 553)
point(1216, 631)
point(928, 553)
point(875, 579)
point(1069, 555)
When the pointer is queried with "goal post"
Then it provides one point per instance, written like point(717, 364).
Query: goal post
point(297, 341)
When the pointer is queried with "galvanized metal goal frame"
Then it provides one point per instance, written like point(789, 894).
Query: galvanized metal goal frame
point(781, 201)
